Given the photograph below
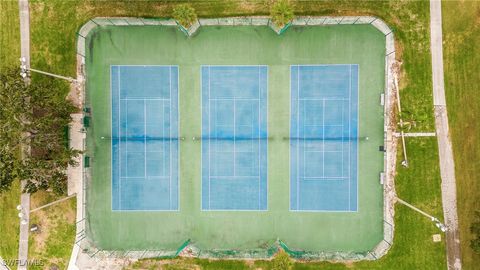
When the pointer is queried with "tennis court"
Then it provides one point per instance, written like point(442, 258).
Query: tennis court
point(144, 137)
point(235, 138)
point(234, 133)
point(324, 137)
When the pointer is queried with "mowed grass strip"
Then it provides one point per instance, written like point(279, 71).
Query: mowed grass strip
point(9, 54)
point(9, 222)
point(9, 34)
point(461, 31)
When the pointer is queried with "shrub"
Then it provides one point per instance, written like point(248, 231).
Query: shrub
point(282, 261)
point(185, 15)
point(281, 13)
point(475, 229)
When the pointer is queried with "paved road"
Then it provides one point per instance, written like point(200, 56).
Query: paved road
point(25, 197)
point(447, 166)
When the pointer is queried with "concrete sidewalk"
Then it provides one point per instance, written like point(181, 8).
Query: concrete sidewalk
point(25, 197)
point(447, 166)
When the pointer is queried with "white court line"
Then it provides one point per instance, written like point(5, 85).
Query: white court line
point(321, 151)
point(324, 98)
point(141, 177)
point(235, 98)
point(323, 138)
point(349, 135)
point(145, 137)
point(321, 65)
point(119, 143)
point(298, 137)
point(234, 177)
point(143, 98)
point(251, 143)
point(312, 125)
point(170, 136)
point(111, 142)
point(343, 160)
point(163, 135)
point(358, 130)
point(259, 146)
point(324, 177)
point(234, 139)
point(209, 138)
point(178, 135)
point(304, 145)
point(224, 152)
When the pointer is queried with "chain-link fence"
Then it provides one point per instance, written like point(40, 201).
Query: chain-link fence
point(188, 248)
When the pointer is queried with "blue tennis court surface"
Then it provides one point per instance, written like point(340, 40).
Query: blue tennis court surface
point(234, 133)
point(144, 137)
point(324, 138)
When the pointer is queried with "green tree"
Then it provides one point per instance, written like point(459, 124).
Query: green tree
point(185, 15)
point(13, 104)
point(281, 13)
point(8, 168)
point(475, 229)
point(34, 115)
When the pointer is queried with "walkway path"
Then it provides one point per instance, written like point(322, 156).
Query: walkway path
point(447, 166)
point(25, 197)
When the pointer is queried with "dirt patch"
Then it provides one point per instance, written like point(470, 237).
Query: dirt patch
point(160, 264)
point(349, 264)
point(76, 93)
point(50, 220)
point(253, 7)
point(40, 238)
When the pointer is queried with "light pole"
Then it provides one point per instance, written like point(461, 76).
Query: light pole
point(435, 220)
point(24, 72)
point(21, 215)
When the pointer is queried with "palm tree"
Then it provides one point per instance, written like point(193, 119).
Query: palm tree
point(281, 13)
point(185, 15)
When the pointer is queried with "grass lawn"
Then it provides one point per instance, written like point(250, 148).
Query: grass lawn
point(53, 242)
point(52, 248)
point(9, 34)
point(9, 53)
point(53, 27)
point(413, 246)
point(461, 25)
point(9, 222)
